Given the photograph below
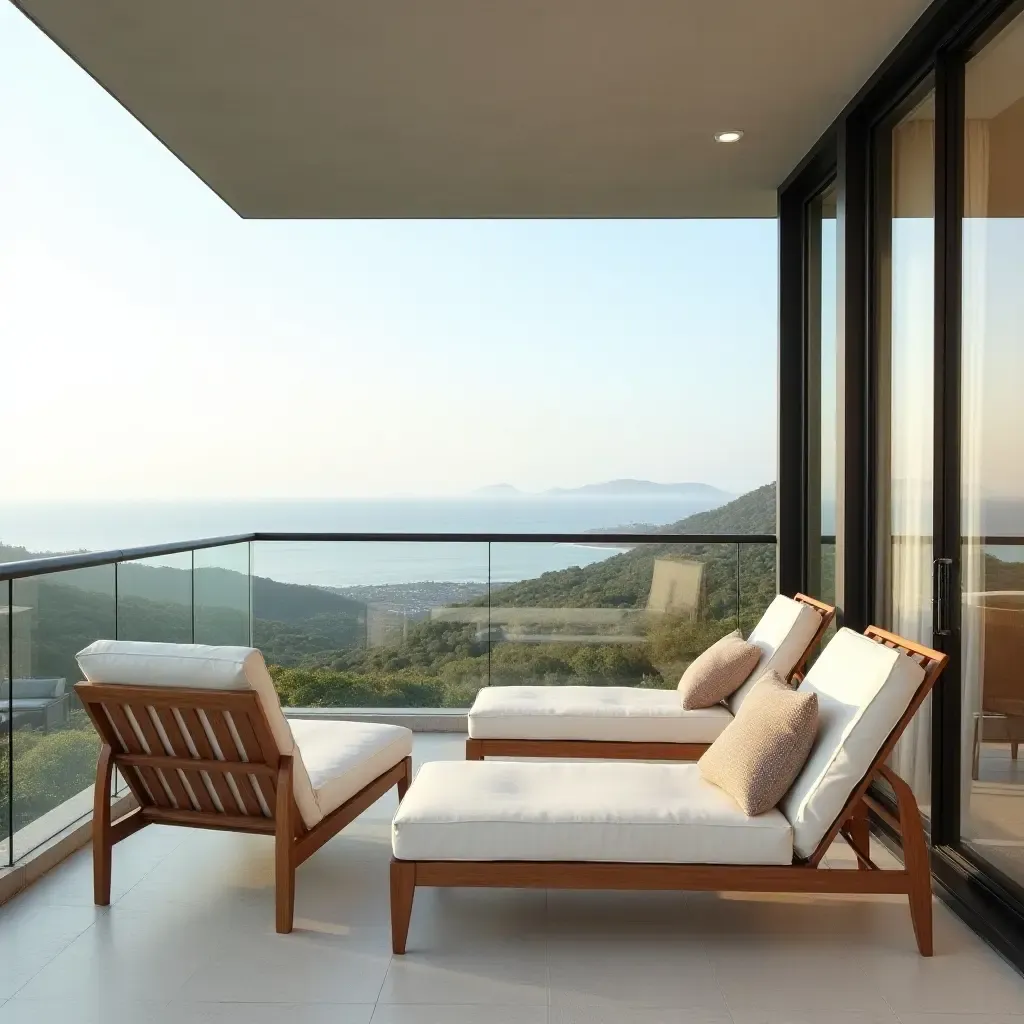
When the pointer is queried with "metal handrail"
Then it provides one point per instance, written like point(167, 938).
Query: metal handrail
point(531, 538)
point(90, 559)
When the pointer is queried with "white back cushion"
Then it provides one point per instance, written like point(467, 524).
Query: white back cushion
point(200, 667)
point(863, 690)
point(187, 666)
point(785, 630)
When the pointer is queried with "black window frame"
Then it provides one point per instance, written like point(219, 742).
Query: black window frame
point(935, 50)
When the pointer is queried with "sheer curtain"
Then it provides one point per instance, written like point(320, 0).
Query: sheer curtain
point(912, 416)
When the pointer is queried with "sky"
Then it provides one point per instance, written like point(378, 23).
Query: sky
point(158, 346)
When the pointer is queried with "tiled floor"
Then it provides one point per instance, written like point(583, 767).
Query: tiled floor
point(190, 937)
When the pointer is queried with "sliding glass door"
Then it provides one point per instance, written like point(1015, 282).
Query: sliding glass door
point(910, 311)
point(991, 460)
point(948, 430)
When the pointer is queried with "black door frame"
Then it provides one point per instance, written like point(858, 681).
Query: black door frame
point(949, 178)
point(935, 49)
point(796, 429)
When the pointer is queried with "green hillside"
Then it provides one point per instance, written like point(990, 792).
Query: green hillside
point(303, 627)
point(445, 662)
point(753, 512)
point(290, 621)
point(15, 553)
point(624, 581)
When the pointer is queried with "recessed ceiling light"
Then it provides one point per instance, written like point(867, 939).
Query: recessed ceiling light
point(728, 136)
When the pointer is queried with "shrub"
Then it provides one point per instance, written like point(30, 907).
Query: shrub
point(49, 768)
point(326, 688)
point(55, 768)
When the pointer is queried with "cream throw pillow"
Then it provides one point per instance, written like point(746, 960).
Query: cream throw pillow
point(718, 672)
point(760, 752)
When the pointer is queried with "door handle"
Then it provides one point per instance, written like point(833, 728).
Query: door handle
point(942, 575)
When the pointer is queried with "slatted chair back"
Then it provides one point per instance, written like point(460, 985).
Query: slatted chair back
point(828, 614)
point(933, 662)
point(195, 757)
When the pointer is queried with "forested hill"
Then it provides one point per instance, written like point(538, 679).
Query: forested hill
point(624, 581)
point(16, 553)
point(753, 512)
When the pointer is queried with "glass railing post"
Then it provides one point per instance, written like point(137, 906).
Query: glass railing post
point(117, 774)
point(490, 638)
point(8, 668)
point(738, 625)
point(249, 592)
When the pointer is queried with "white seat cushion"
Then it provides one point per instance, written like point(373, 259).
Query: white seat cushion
point(341, 758)
point(201, 667)
point(863, 690)
point(783, 634)
point(621, 812)
point(627, 713)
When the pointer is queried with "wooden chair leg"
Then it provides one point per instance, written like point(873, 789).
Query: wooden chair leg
point(976, 749)
point(474, 750)
point(284, 849)
point(1013, 749)
point(406, 780)
point(915, 861)
point(859, 827)
point(403, 889)
point(102, 842)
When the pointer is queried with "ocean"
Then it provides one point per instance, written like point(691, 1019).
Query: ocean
point(105, 526)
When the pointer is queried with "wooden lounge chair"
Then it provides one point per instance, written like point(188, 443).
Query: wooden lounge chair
point(198, 735)
point(635, 722)
point(634, 825)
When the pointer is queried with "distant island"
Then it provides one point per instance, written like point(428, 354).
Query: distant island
point(498, 491)
point(616, 489)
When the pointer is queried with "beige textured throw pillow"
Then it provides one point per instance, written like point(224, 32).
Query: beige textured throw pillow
point(760, 752)
point(718, 672)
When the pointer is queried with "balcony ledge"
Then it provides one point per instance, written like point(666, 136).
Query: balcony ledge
point(416, 719)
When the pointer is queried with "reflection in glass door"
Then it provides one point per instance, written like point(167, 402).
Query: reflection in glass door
point(992, 467)
point(905, 384)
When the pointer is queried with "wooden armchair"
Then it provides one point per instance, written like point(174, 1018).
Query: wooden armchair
point(198, 735)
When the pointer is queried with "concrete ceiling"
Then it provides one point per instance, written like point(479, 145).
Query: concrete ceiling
point(995, 77)
point(483, 108)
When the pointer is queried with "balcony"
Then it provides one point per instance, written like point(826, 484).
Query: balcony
point(189, 933)
point(706, 211)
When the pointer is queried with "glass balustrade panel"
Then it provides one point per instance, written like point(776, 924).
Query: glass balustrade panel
point(372, 625)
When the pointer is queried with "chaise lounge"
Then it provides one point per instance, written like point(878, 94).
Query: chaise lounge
point(620, 825)
point(630, 721)
point(198, 735)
